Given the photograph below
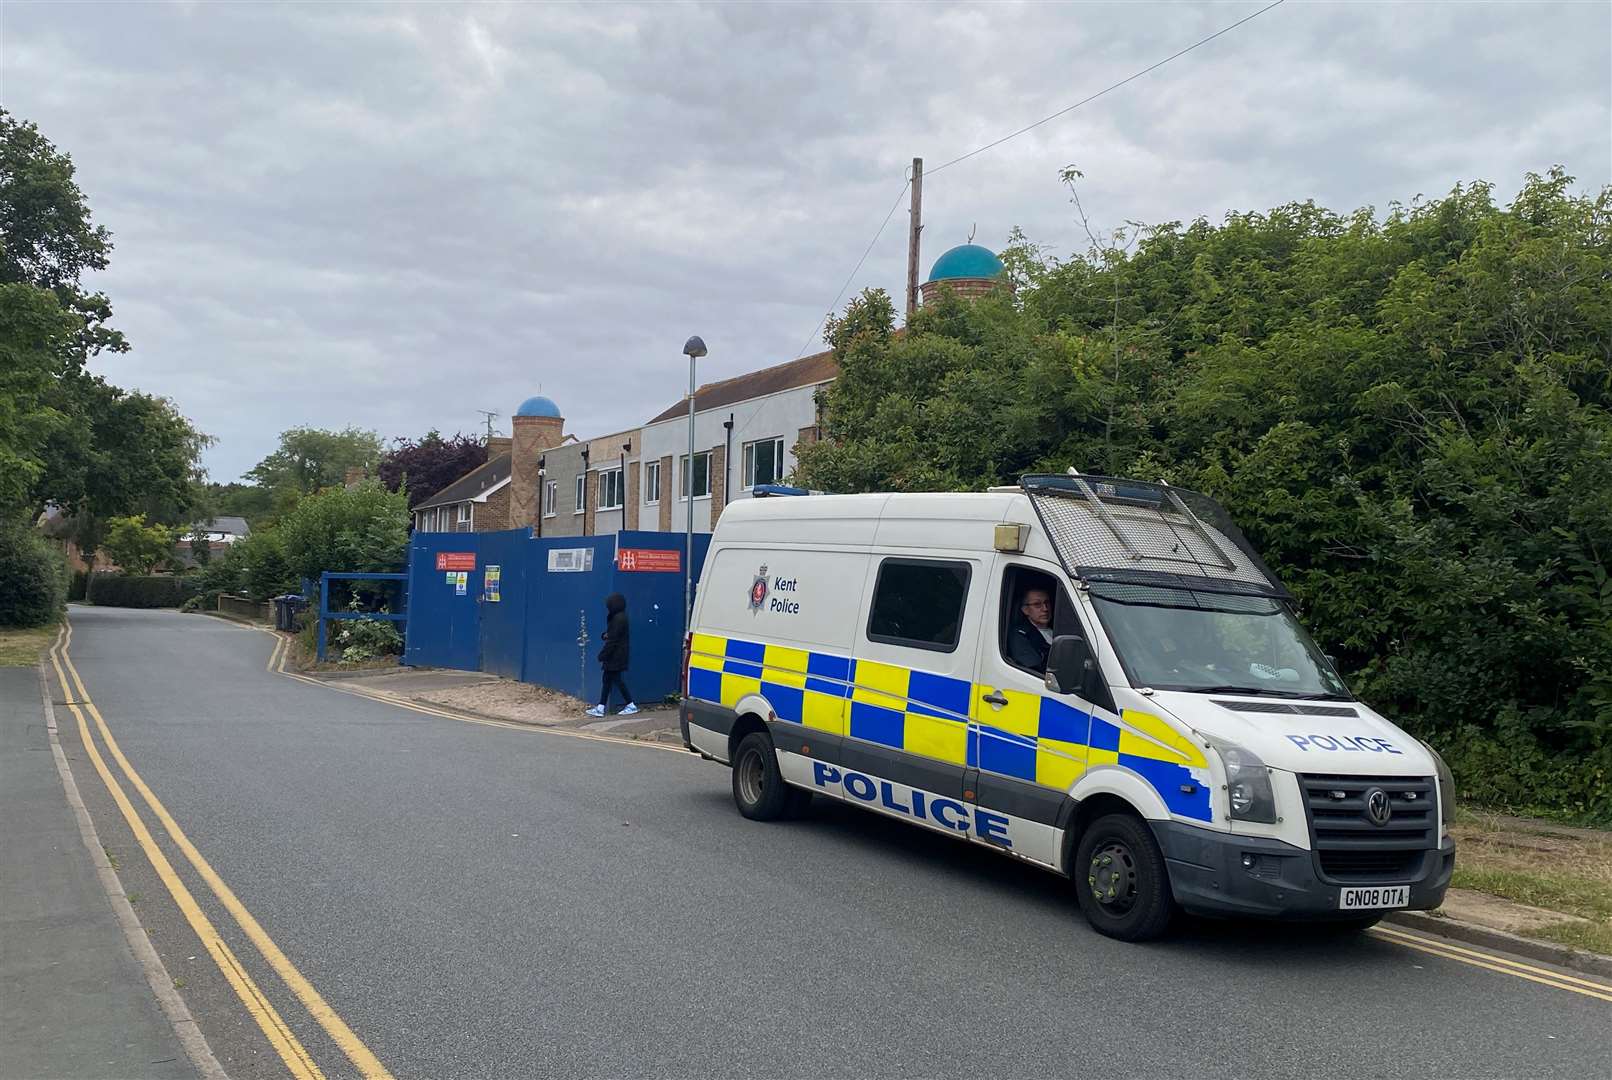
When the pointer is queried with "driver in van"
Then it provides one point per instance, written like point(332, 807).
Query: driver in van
point(1030, 636)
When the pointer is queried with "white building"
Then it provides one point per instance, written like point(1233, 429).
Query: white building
point(746, 430)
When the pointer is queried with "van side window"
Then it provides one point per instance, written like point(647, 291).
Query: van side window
point(1030, 600)
point(919, 603)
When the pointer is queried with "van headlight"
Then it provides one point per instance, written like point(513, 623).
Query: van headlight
point(1248, 784)
point(1446, 786)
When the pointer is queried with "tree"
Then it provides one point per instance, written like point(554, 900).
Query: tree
point(1408, 414)
point(49, 241)
point(428, 466)
point(66, 436)
point(309, 459)
point(362, 529)
point(137, 547)
point(33, 333)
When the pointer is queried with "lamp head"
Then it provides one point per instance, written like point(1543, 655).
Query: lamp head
point(694, 347)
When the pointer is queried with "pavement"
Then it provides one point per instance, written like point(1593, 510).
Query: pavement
point(484, 899)
point(74, 1001)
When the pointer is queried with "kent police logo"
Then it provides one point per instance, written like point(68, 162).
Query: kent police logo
point(758, 590)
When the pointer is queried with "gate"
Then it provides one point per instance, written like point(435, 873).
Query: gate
point(444, 625)
point(568, 580)
point(504, 559)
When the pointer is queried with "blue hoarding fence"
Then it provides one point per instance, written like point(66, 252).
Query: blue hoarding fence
point(326, 615)
point(532, 609)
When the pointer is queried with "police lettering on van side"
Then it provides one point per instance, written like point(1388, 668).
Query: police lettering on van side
point(949, 814)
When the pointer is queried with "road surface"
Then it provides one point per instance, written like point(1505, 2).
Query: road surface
point(453, 899)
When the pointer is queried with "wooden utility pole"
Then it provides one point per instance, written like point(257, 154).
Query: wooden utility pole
point(915, 226)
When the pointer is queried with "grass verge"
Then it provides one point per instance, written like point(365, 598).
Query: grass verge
point(21, 648)
point(1548, 866)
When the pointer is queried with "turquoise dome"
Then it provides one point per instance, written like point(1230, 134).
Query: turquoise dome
point(538, 406)
point(966, 261)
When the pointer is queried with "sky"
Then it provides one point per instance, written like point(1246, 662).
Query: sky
point(393, 216)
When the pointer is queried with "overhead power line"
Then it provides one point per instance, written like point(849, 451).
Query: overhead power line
point(835, 305)
point(1013, 135)
point(1109, 89)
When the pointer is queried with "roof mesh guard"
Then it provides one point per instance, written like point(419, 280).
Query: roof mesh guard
point(1130, 531)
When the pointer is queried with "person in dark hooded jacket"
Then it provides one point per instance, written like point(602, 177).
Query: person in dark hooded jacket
point(613, 657)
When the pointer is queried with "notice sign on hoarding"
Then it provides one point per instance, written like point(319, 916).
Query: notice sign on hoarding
point(570, 560)
point(456, 560)
point(490, 580)
point(646, 560)
point(461, 584)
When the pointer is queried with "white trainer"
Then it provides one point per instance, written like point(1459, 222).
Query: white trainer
point(597, 710)
point(631, 709)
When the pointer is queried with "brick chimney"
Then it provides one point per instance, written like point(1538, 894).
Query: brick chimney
point(498, 444)
point(533, 435)
point(353, 477)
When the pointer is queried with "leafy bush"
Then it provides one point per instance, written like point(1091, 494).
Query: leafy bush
point(33, 576)
point(366, 639)
point(79, 582)
point(1408, 415)
point(139, 591)
point(136, 547)
point(258, 564)
point(360, 529)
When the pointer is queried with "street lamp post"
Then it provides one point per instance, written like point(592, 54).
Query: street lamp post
point(694, 348)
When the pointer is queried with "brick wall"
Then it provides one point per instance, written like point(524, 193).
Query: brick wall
point(719, 481)
point(590, 488)
point(493, 514)
point(668, 489)
point(629, 514)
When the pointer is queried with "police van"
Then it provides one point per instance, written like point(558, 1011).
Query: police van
point(1097, 676)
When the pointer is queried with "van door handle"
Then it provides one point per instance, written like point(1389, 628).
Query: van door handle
point(995, 698)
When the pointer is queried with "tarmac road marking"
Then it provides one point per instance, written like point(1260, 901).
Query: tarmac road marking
point(286, 1044)
point(368, 1065)
point(1501, 964)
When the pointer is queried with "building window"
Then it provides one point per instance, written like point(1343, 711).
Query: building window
point(652, 483)
point(919, 603)
point(582, 492)
point(610, 489)
point(702, 475)
point(763, 462)
point(464, 513)
point(551, 495)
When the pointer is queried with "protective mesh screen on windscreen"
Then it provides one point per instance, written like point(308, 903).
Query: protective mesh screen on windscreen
point(1130, 531)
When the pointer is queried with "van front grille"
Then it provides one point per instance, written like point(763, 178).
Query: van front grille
point(1349, 845)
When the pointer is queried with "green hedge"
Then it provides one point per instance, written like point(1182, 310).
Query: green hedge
point(33, 576)
point(77, 586)
point(134, 591)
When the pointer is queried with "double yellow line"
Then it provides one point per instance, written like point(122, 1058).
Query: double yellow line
point(1494, 962)
point(280, 1036)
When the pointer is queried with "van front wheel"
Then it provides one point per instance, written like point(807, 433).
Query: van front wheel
point(1121, 879)
point(759, 790)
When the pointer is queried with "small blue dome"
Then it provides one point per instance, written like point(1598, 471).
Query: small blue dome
point(538, 406)
point(966, 261)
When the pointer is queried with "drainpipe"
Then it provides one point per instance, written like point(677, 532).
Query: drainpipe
point(626, 446)
point(542, 491)
point(727, 466)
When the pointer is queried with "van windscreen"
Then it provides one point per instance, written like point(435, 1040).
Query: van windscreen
point(1179, 639)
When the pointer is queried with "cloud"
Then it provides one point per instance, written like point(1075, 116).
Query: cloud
point(393, 216)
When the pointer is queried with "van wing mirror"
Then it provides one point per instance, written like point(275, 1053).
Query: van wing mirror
point(1070, 665)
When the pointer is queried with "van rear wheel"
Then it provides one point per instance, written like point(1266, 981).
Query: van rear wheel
point(759, 790)
point(1121, 879)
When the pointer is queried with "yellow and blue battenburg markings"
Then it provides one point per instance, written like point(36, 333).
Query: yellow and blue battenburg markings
point(1034, 737)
